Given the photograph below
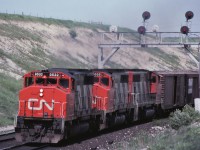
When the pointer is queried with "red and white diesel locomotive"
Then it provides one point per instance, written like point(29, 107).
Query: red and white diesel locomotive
point(58, 103)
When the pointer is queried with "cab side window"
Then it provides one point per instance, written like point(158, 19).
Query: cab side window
point(105, 81)
point(153, 79)
point(28, 81)
point(64, 83)
point(96, 79)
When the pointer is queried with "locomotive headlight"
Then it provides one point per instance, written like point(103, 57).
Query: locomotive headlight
point(41, 94)
point(41, 90)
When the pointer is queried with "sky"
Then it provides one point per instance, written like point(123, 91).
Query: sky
point(169, 15)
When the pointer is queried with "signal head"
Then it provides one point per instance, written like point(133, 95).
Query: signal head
point(141, 30)
point(146, 15)
point(113, 28)
point(189, 15)
point(155, 28)
point(184, 30)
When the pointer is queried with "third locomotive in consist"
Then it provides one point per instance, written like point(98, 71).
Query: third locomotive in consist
point(56, 104)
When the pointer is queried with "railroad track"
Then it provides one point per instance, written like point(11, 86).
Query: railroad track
point(25, 146)
point(102, 140)
point(14, 146)
point(9, 139)
point(7, 136)
point(7, 132)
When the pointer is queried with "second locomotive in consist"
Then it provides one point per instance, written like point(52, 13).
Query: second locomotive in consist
point(56, 104)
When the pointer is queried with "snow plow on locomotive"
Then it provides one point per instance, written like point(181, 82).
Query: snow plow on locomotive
point(58, 103)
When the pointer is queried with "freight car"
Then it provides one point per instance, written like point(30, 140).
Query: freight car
point(58, 103)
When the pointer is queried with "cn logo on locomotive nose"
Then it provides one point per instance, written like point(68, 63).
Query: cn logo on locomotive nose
point(41, 103)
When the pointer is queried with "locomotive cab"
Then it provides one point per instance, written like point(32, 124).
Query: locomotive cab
point(101, 90)
point(42, 106)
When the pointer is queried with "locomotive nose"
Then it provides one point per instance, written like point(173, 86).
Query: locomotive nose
point(39, 102)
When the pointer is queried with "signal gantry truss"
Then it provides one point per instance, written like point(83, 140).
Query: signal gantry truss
point(116, 40)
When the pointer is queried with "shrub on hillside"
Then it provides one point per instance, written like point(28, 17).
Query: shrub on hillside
point(73, 34)
point(185, 117)
point(186, 138)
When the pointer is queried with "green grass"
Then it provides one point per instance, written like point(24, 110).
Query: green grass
point(185, 136)
point(22, 60)
point(171, 39)
point(170, 59)
point(6, 120)
point(133, 35)
point(71, 62)
point(114, 65)
point(183, 118)
point(15, 32)
point(177, 39)
point(9, 88)
point(195, 53)
point(50, 21)
point(38, 59)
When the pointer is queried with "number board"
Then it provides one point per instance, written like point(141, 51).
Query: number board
point(54, 74)
point(96, 74)
point(38, 74)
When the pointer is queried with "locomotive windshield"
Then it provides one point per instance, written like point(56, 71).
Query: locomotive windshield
point(48, 81)
point(39, 81)
point(51, 81)
point(102, 78)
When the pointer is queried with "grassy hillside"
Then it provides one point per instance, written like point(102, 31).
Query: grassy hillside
point(29, 43)
point(9, 88)
point(179, 132)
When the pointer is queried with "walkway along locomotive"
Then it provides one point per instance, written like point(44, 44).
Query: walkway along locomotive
point(58, 103)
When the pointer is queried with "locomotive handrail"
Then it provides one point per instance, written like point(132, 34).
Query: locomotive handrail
point(62, 111)
point(98, 100)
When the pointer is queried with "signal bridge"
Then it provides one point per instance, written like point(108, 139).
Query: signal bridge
point(149, 39)
point(115, 40)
